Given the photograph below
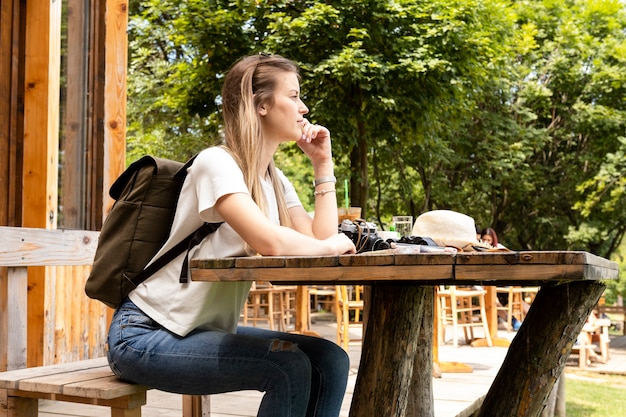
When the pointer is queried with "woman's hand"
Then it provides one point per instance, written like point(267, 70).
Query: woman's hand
point(315, 143)
point(343, 244)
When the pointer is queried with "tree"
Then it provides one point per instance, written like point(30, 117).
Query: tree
point(572, 82)
point(510, 112)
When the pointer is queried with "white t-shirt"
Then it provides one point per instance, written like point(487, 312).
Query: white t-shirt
point(182, 308)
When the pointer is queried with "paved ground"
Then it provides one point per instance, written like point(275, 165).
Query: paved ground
point(453, 392)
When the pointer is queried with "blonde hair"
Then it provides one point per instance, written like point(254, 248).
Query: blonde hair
point(249, 84)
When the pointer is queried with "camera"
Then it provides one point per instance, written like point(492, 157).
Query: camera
point(364, 236)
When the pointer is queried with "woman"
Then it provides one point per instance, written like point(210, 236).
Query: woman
point(184, 338)
point(490, 237)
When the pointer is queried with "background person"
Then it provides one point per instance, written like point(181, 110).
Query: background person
point(185, 338)
point(489, 236)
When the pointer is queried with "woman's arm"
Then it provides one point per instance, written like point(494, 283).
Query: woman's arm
point(316, 144)
point(267, 238)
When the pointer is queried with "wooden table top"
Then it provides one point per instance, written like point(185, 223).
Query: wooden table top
point(463, 268)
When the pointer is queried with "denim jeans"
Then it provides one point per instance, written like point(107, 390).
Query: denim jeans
point(300, 375)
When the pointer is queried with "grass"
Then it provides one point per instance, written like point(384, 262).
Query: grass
point(595, 395)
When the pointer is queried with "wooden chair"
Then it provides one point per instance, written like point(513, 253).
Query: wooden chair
point(274, 305)
point(287, 307)
point(349, 312)
point(322, 298)
point(463, 309)
point(517, 297)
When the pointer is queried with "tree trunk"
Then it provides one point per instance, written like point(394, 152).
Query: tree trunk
point(396, 314)
point(537, 355)
point(420, 402)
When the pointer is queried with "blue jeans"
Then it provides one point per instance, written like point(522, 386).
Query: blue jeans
point(300, 375)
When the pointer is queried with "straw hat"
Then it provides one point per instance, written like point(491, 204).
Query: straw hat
point(449, 228)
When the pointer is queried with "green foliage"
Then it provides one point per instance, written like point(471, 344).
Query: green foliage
point(511, 112)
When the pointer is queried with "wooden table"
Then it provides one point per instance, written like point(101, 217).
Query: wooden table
point(396, 361)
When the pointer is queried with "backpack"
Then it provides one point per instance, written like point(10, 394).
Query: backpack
point(136, 228)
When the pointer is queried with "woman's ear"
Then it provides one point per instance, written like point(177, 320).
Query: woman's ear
point(262, 110)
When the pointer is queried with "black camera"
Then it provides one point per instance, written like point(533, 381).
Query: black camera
point(364, 236)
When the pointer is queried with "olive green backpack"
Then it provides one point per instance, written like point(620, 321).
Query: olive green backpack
point(137, 226)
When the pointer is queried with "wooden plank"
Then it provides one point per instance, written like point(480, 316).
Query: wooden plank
point(41, 129)
point(11, 379)
point(535, 258)
point(530, 274)
point(16, 114)
point(55, 383)
point(116, 62)
point(490, 269)
point(24, 246)
point(96, 170)
point(311, 261)
point(11, 123)
point(41, 113)
point(379, 258)
point(260, 262)
point(107, 387)
point(73, 176)
point(516, 273)
point(132, 400)
point(328, 275)
point(16, 316)
point(4, 318)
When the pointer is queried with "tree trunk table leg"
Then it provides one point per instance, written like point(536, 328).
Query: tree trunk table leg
point(391, 338)
point(421, 402)
point(540, 349)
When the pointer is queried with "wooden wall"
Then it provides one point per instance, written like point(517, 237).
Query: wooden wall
point(76, 326)
point(62, 323)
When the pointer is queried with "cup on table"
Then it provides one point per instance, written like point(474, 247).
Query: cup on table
point(349, 213)
point(403, 225)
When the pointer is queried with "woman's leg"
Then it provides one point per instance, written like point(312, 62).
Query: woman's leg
point(330, 366)
point(210, 362)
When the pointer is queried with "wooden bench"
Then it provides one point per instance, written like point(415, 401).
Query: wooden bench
point(601, 310)
point(593, 336)
point(88, 381)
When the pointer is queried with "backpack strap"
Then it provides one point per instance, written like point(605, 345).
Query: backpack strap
point(187, 243)
point(205, 230)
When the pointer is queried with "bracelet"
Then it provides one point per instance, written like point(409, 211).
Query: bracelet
point(322, 192)
point(322, 180)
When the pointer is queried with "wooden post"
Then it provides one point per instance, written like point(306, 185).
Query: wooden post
point(41, 144)
point(537, 355)
point(491, 301)
point(391, 337)
point(116, 61)
point(196, 405)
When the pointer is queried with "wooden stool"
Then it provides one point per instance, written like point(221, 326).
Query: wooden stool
point(463, 308)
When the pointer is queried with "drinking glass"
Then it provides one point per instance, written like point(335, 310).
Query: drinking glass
point(403, 225)
point(349, 213)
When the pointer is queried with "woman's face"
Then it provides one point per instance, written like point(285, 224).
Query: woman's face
point(283, 119)
point(487, 239)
